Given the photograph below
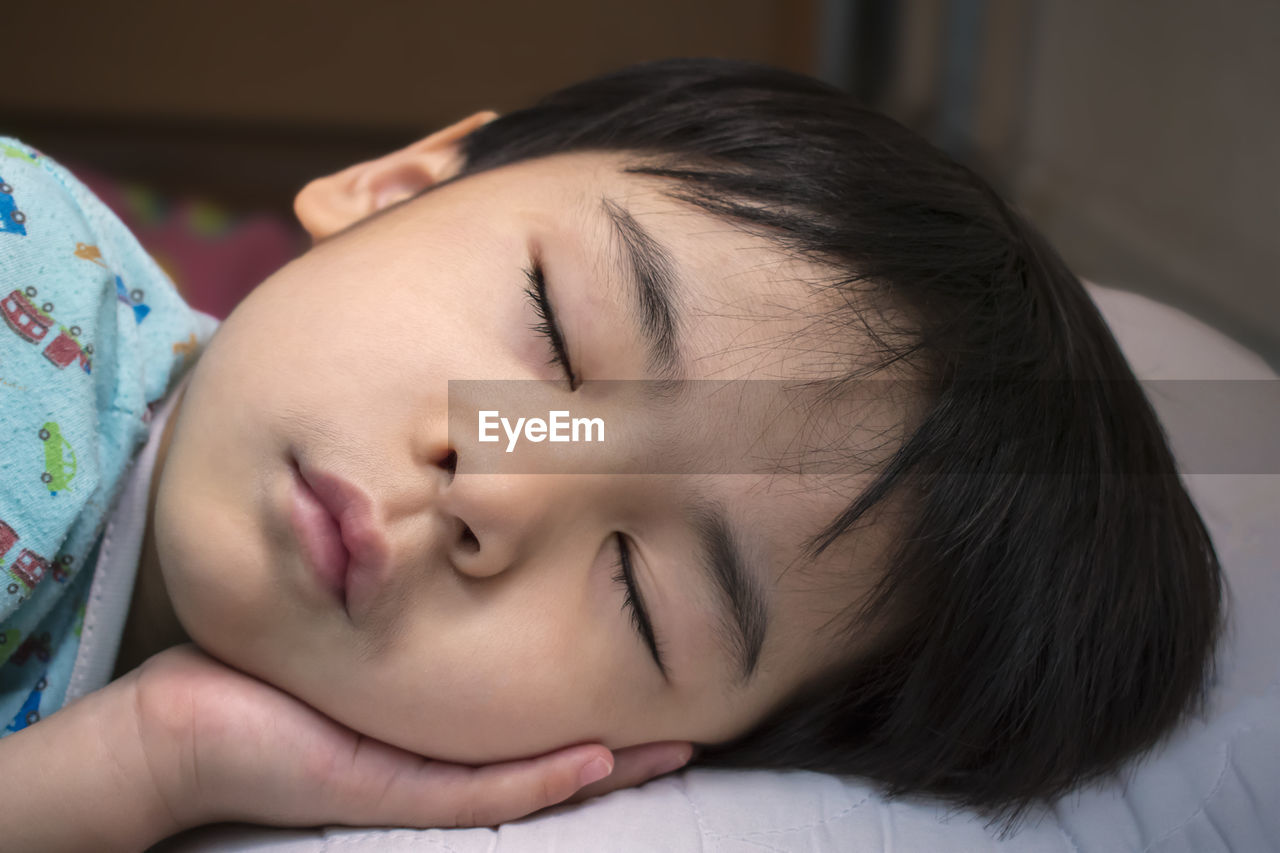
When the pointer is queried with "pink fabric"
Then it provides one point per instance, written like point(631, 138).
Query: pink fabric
point(214, 257)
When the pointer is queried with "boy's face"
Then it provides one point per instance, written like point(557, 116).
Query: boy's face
point(506, 637)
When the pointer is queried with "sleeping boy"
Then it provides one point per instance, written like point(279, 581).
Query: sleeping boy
point(265, 577)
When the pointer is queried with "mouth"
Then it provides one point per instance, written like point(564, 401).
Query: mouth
point(337, 526)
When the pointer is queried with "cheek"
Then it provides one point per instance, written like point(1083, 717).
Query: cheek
point(486, 689)
point(209, 551)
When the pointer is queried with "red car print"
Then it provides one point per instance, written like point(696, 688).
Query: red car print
point(7, 538)
point(64, 349)
point(24, 318)
point(29, 568)
point(34, 324)
point(38, 645)
point(61, 568)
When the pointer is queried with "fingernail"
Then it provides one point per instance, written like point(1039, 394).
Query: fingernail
point(594, 771)
point(673, 762)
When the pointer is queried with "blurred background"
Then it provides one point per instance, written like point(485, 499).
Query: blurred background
point(1142, 138)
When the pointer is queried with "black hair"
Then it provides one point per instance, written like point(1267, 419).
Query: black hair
point(1055, 596)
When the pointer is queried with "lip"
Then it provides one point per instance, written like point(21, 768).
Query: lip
point(336, 523)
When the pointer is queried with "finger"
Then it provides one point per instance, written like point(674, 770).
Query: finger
point(497, 793)
point(636, 765)
point(425, 793)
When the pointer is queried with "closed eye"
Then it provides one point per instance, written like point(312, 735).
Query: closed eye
point(633, 602)
point(536, 292)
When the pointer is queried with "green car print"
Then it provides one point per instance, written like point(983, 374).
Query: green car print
point(9, 638)
point(59, 459)
point(17, 153)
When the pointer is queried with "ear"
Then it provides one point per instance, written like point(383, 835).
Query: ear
point(327, 205)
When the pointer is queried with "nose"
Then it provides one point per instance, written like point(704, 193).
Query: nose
point(463, 547)
point(495, 520)
point(462, 544)
point(465, 544)
point(447, 461)
point(483, 544)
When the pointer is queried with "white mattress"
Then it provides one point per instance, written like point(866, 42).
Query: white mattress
point(1213, 786)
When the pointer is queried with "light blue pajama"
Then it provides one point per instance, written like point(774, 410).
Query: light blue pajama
point(95, 336)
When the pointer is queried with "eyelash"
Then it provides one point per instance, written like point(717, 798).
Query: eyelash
point(536, 292)
point(624, 578)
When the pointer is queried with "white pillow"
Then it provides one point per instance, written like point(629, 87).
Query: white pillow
point(1212, 786)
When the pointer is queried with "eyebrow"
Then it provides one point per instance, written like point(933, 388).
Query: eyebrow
point(744, 612)
point(653, 285)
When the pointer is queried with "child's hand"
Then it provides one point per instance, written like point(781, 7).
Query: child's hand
point(225, 746)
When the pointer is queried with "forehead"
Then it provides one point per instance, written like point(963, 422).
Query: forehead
point(745, 305)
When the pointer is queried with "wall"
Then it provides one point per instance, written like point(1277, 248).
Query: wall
point(247, 100)
point(1151, 152)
